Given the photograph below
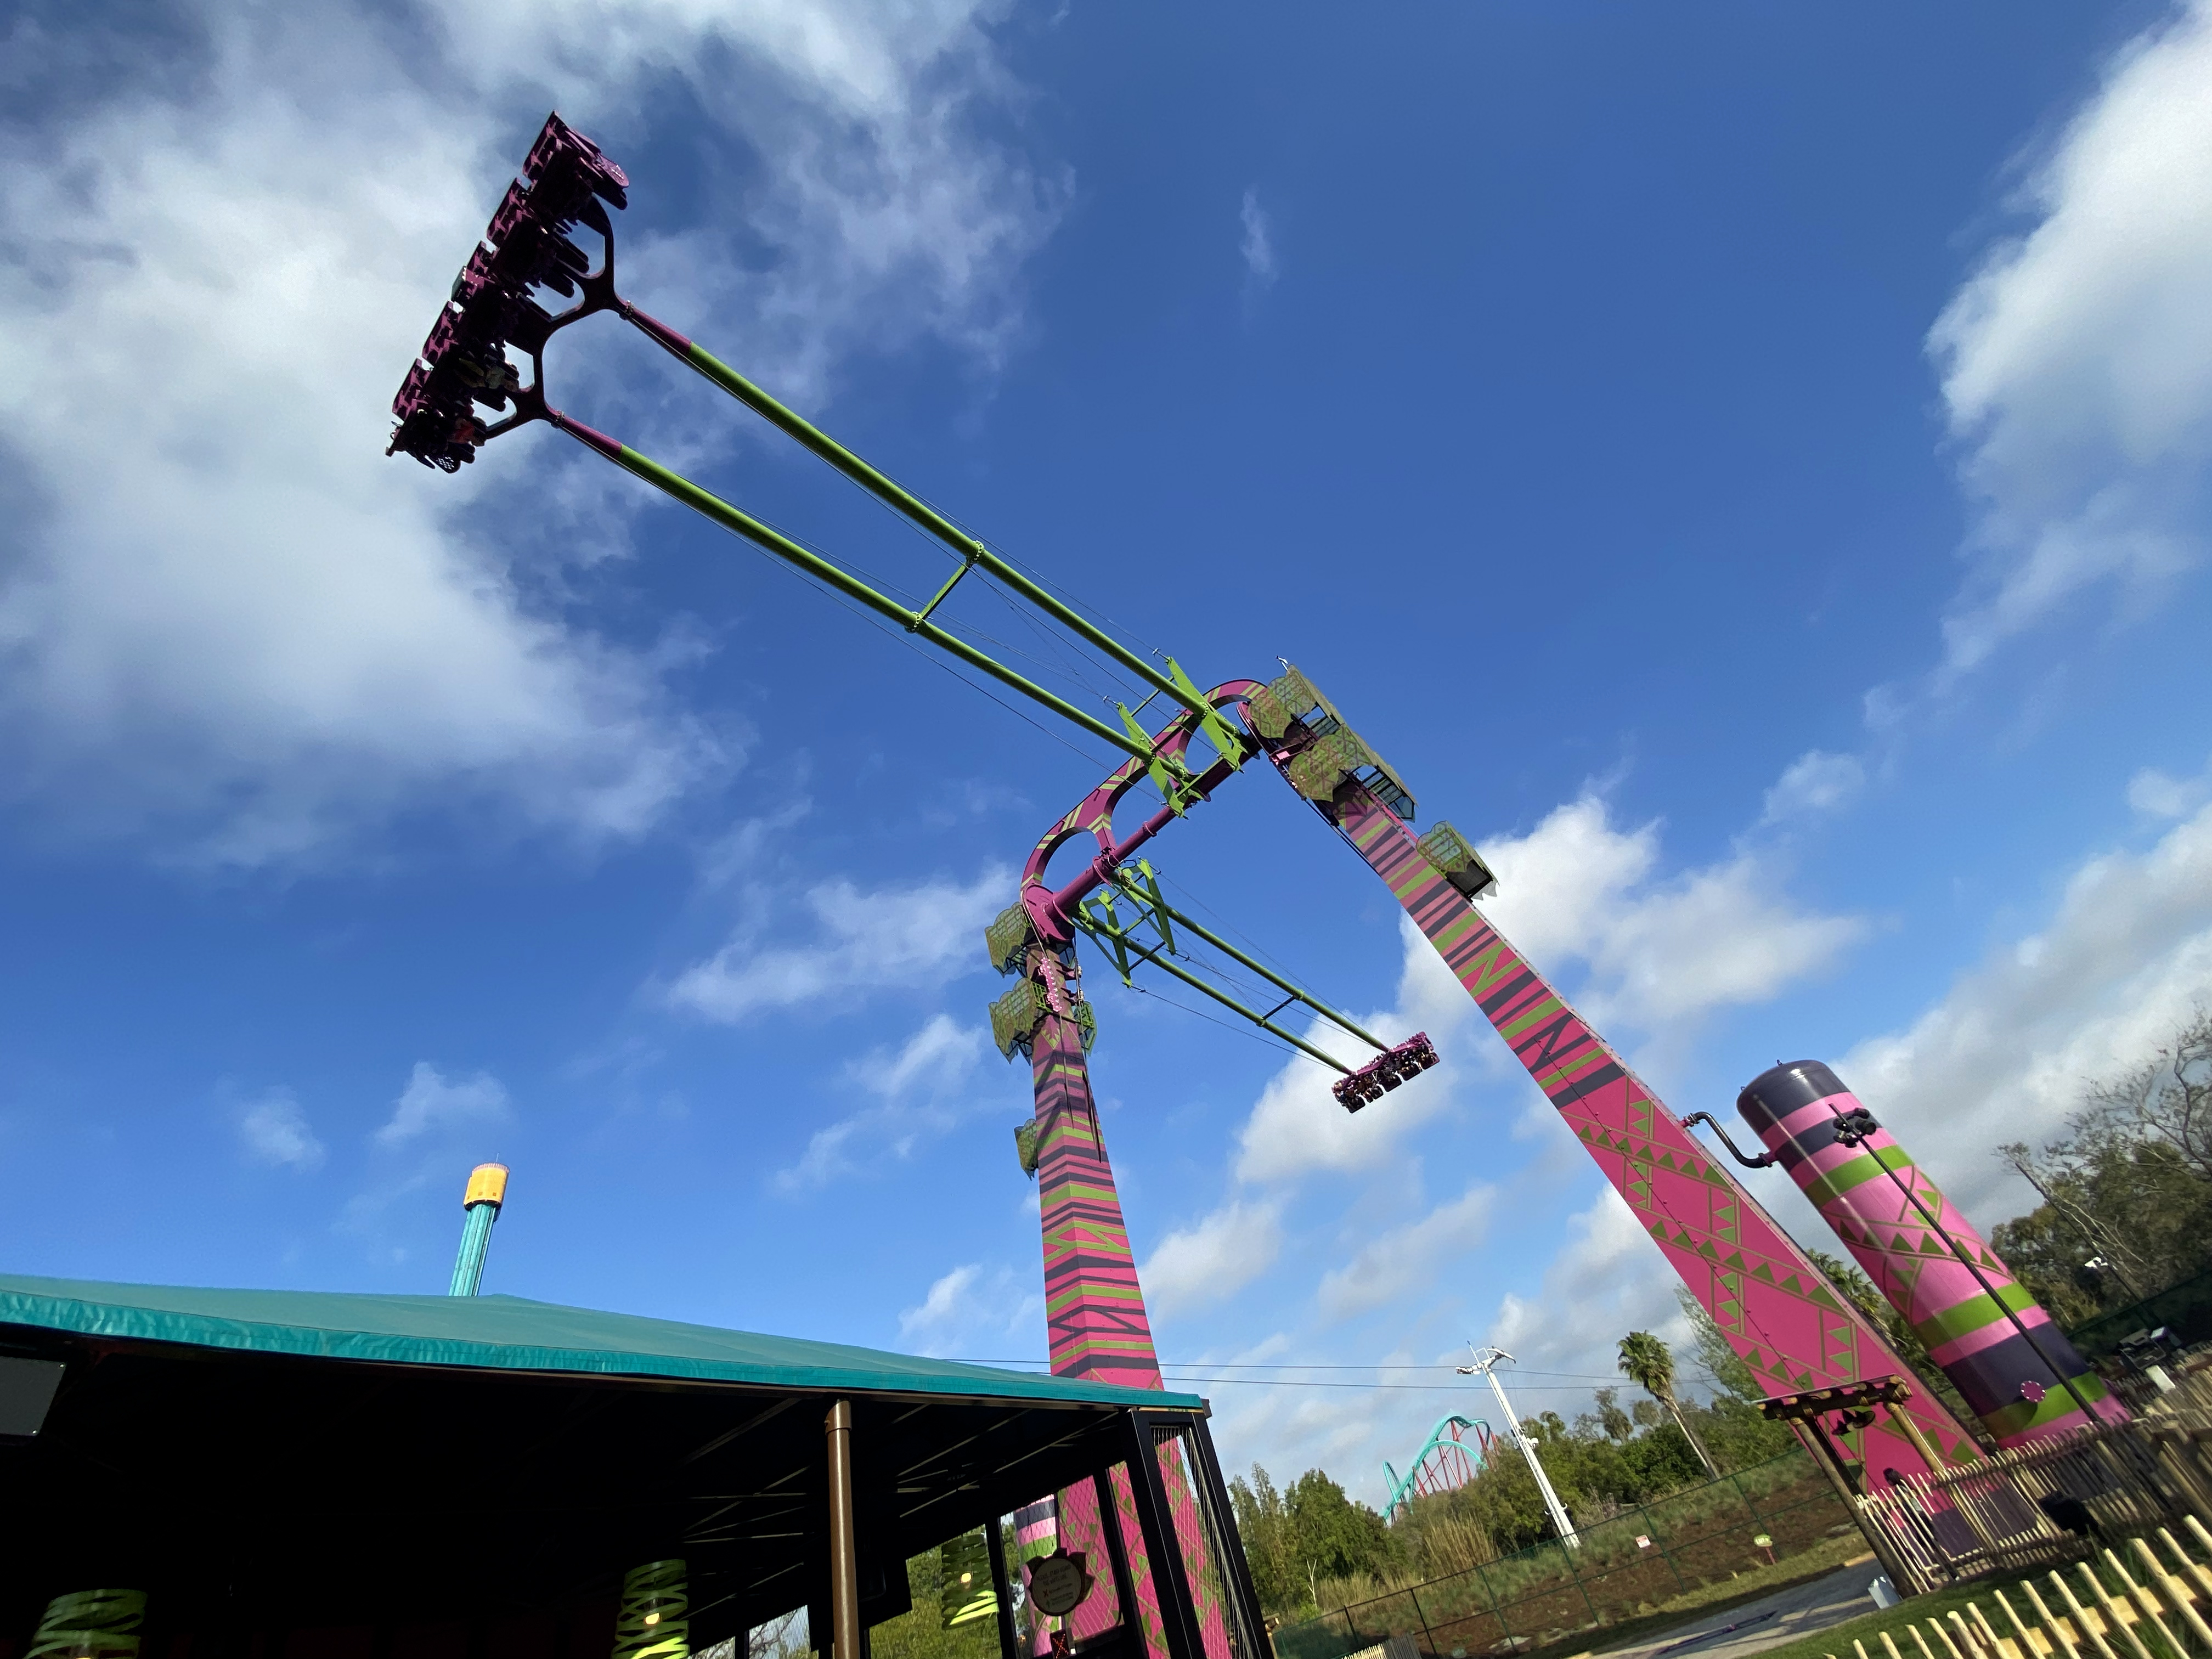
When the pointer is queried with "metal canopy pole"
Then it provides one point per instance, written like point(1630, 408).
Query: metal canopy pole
point(1117, 1553)
point(1228, 1546)
point(1163, 1549)
point(844, 1559)
point(1002, 1588)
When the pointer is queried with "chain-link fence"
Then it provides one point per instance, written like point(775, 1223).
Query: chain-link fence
point(1629, 1564)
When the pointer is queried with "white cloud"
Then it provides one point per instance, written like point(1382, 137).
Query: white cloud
point(1661, 952)
point(1296, 1127)
point(2077, 361)
point(968, 1305)
point(1258, 246)
point(1195, 1267)
point(2157, 795)
point(912, 937)
point(230, 624)
point(433, 1102)
point(1607, 1280)
point(918, 1092)
point(1408, 1259)
point(1816, 782)
point(275, 1130)
point(2005, 1055)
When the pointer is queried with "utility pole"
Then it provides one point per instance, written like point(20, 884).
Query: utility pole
point(1485, 1363)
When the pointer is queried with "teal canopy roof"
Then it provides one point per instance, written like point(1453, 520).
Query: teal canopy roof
point(511, 1333)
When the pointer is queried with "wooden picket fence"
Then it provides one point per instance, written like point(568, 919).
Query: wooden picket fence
point(2050, 1501)
point(2114, 1615)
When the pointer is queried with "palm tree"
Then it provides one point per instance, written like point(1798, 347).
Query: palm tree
point(1648, 1363)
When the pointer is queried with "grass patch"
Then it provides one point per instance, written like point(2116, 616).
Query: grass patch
point(1935, 1604)
point(1712, 1600)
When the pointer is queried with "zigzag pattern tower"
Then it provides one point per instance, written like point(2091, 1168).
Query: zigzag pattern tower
point(1775, 1308)
point(1095, 1309)
point(2015, 1368)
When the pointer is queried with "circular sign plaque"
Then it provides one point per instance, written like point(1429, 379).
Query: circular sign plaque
point(1058, 1583)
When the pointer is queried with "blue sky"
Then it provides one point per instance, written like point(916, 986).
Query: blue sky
point(1746, 468)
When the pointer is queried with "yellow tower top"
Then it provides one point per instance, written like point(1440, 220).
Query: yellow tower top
point(487, 1185)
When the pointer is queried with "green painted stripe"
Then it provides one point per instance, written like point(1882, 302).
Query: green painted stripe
point(1976, 1312)
point(1551, 1005)
point(1860, 1170)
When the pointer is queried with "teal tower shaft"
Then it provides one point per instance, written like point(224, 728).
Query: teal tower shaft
point(487, 1191)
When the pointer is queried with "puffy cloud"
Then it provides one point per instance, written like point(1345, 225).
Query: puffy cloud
point(1200, 1265)
point(911, 938)
point(1404, 1262)
point(1661, 952)
point(1258, 246)
point(918, 1091)
point(2005, 1055)
point(1817, 782)
point(1574, 890)
point(1296, 1127)
point(2077, 360)
point(232, 626)
point(1607, 1280)
point(275, 1130)
point(970, 1305)
point(2157, 795)
point(434, 1102)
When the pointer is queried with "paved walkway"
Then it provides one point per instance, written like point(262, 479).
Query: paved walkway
point(1756, 1625)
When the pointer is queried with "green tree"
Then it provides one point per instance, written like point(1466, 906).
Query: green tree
point(1312, 1531)
point(1263, 1522)
point(2126, 1189)
point(1616, 1425)
point(1730, 1425)
point(1897, 1330)
point(921, 1633)
point(1650, 1364)
point(1333, 1536)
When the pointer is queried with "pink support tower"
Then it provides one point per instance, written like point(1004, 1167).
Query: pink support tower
point(2015, 1367)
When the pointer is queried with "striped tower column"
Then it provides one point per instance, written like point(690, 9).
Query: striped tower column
point(1095, 1318)
point(1775, 1307)
point(2010, 1363)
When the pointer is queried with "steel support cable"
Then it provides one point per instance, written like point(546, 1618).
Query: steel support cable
point(1083, 920)
point(1242, 1030)
point(711, 506)
point(1278, 982)
point(1060, 664)
point(1227, 926)
point(935, 661)
point(1059, 589)
point(910, 600)
point(972, 549)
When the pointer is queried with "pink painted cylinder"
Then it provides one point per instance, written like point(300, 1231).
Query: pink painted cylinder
point(2012, 1365)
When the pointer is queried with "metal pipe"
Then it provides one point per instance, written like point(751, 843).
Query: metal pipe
point(486, 1192)
point(1714, 1123)
point(1002, 1588)
point(1266, 973)
point(1082, 920)
point(1065, 901)
point(844, 1558)
point(970, 548)
point(710, 505)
